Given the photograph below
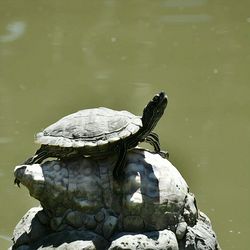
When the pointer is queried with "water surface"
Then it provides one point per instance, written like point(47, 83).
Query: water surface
point(57, 57)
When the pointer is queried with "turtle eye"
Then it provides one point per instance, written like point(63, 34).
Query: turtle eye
point(155, 99)
point(74, 136)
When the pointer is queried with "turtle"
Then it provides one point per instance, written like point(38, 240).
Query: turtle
point(97, 132)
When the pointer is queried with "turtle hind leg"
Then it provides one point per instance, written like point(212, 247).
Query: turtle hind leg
point(118, 170)
point(153, 139)
point(41, 154)
point(37, 158)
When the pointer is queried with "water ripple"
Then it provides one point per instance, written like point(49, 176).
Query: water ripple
point(5, 237)
point(184, 3)
point(15, 30)
point(5, 140)
point(186, 18)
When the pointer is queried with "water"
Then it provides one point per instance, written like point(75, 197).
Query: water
point(57, 57)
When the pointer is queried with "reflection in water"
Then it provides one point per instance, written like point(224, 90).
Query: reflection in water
point(57, 41)
point(186, 18)
point(5, 237)
point(15, 30)
point(4, 140)
point(184, 3)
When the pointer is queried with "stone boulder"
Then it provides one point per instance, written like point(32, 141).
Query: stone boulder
point(83, 207)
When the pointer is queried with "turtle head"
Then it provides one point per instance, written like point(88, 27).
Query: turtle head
point(154, 111)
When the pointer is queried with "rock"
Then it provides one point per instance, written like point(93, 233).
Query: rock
point(42, 217)
point(29, 175)
point(29, 228)
point(74, 218)
point(201, 235)
point(190, 210)
point(64, 186)
point(154, 191)
point(133, 223)
point(78, 244)
point(84, 208)
point(89, 221)
point(73, 239)
point(109, 226)
point(100, 216)
point(23, 247)
point(157, 240)
point(181, 230)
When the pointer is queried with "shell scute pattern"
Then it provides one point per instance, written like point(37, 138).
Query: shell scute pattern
point(90, 128)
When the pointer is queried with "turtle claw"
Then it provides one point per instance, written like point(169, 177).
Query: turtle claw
point(29, 161)
point(164, 154)
point(17, 182)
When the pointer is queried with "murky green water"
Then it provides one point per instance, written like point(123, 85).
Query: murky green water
point(57, 57)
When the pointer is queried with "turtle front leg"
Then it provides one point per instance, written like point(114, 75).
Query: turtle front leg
point(153, 139)
point(118, 170)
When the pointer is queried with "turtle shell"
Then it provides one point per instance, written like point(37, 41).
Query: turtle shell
point(90, 128)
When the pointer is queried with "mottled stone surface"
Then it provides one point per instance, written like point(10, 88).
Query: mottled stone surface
point(201, 235)
point(29, 228)
point(80, 195)
point(154, 193)
point(39, 237)
point(77, 184)
point(157, 240)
